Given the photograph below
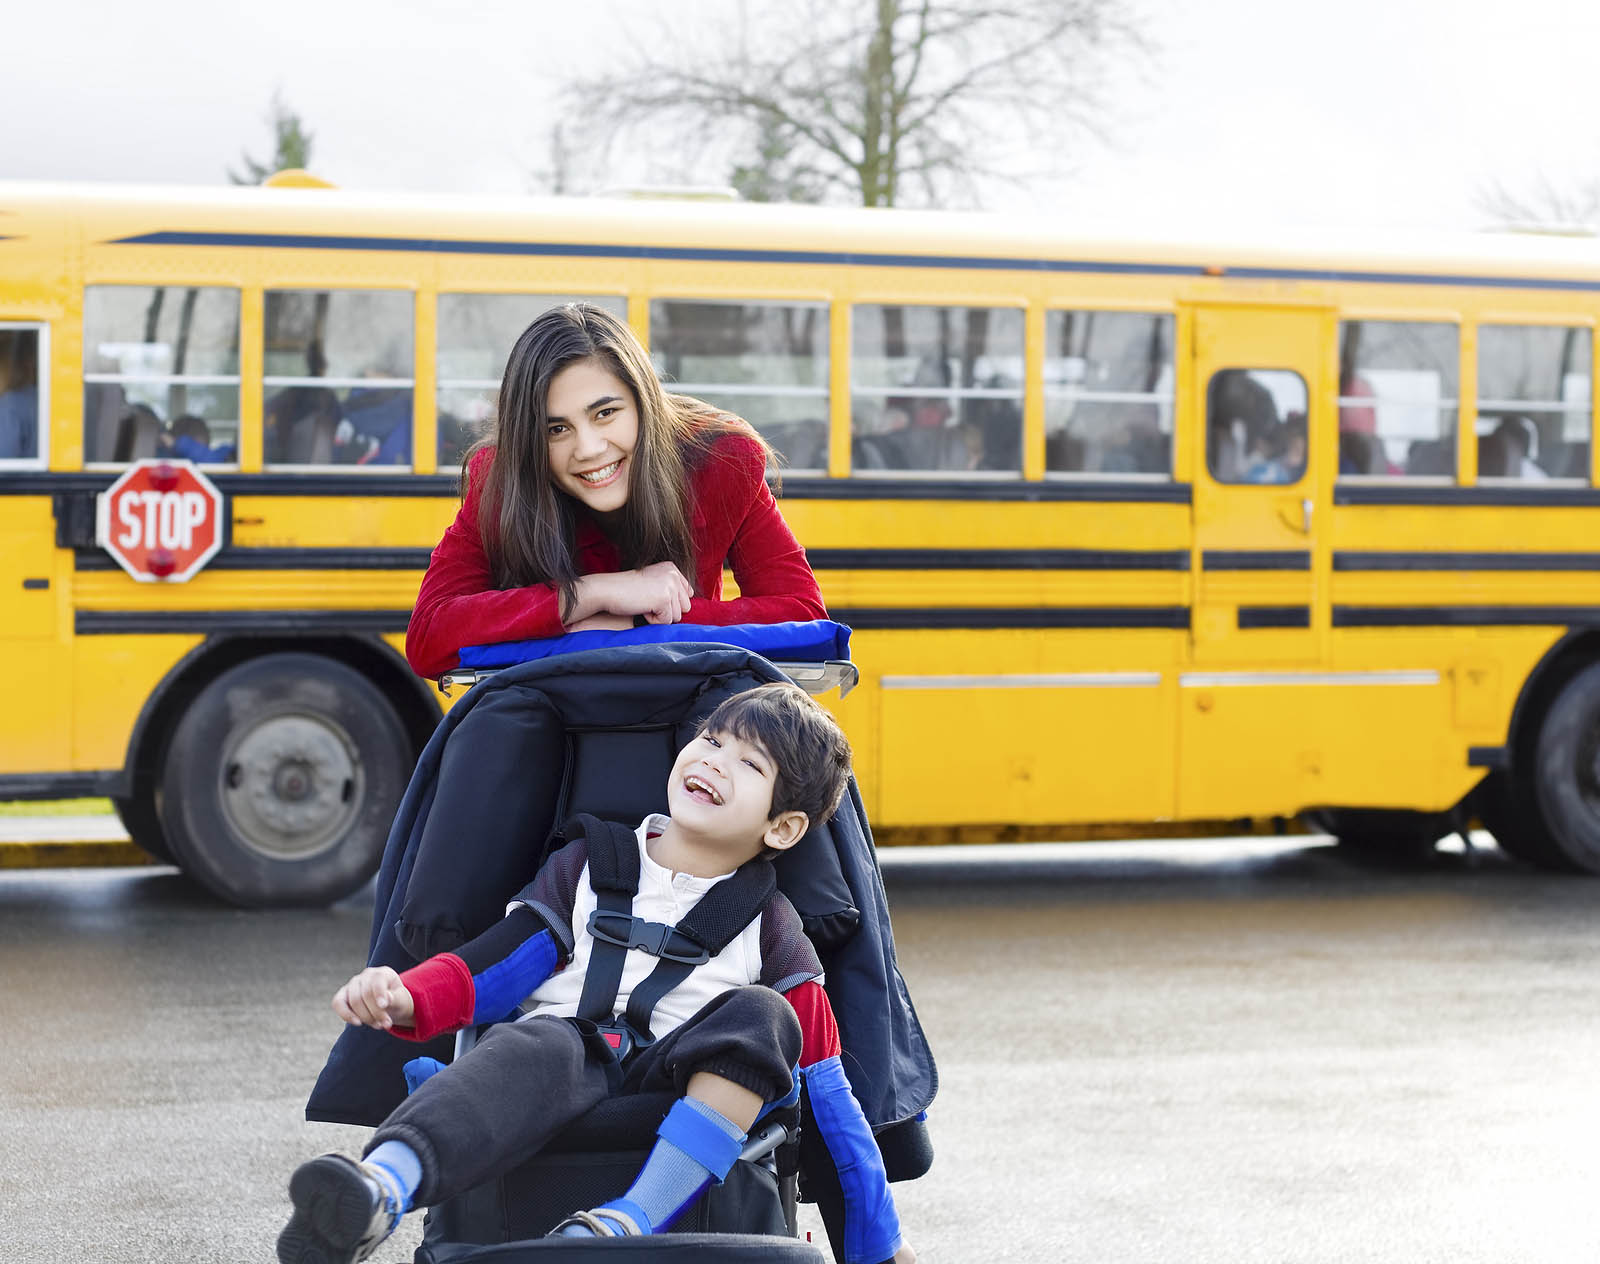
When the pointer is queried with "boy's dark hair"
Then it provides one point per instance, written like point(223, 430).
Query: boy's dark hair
point(810, 753)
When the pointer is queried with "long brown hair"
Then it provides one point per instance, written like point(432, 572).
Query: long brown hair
point(527, 524)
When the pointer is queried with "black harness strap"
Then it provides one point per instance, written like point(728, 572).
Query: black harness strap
point(722, 913)
point(614, 875)
point(714, 923)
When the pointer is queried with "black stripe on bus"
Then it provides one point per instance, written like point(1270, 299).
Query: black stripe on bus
point(998, 559)
point(189, 622)
point(62, 785)
point(306, 559)
point(1465, 497)
point(416, 559)
point(831, 258)
point(1465, 616)
point(48, 482)
point(1256, 560)
point(913, 617)
point(1381, 560)
point(1130, 492)
point(1274, 616)
point(52, 482)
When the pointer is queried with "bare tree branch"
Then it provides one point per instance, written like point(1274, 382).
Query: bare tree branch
point(866, 95)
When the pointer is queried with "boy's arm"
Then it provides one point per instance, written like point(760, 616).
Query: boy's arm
point(482, 981)
point(871, 1224)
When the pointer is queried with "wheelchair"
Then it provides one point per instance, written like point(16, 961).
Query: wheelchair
point(530, 746)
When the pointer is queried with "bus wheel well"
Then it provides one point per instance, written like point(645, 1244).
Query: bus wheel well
point(408, 694)
point(1565, 660)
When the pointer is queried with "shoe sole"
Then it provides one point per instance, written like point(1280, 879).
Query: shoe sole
point(332, 1212)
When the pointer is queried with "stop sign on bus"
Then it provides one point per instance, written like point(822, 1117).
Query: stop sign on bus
point(162, 520)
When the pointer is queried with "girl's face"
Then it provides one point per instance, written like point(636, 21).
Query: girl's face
point(592, 427)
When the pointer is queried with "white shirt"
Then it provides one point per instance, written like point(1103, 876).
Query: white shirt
point(665, 897)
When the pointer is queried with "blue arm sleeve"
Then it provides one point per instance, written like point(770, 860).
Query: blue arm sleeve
point(507, 962)
point(871, 1224)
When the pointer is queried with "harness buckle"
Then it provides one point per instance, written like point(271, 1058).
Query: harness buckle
point(655, 938)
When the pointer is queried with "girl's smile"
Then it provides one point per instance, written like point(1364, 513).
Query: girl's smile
point(592, 427)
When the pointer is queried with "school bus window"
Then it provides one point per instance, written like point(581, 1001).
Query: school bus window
point(1534, 409)
point(1256, 426)
point(160, 373)
point(1397, 398)
point(1108, 391)
point(338, 378)
point(935, 389)
point(20, 377)
point(767, 362)
point(476, 334)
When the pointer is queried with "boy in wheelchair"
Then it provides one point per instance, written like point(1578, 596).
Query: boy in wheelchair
point(691, 973)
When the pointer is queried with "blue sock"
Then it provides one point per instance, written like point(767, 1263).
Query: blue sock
point(695, 1145)
point(400, 1162)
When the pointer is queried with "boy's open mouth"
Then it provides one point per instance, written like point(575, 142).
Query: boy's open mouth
point(701, 790)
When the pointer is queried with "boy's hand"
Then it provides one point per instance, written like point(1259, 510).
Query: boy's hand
point(905, 1255)
point(375, 998)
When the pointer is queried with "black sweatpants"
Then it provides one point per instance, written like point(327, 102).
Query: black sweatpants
point(509, 1094)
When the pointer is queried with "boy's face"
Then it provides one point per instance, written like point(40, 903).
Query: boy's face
point(720, 788)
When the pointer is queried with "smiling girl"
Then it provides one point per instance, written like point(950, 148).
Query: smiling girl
point(601, 501)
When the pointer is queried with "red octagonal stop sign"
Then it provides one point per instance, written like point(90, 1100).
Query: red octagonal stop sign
point(162, 520)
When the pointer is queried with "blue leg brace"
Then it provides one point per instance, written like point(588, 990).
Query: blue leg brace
point(695, 1145)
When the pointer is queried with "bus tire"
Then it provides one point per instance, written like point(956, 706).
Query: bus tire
point(281, 780)
point(1566, 772)
point(141, 819)
point(1506, 809)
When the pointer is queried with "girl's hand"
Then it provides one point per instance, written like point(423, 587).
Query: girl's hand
point(659, 592)
point(375, 998)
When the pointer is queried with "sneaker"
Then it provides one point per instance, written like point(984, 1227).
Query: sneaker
point(342, 1211)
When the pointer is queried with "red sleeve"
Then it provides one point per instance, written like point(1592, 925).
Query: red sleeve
point(443, 993)
point(458, 604)
point(775, 580)
point(819, 1032)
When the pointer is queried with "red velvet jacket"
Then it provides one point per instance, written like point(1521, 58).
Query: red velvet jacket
point(734, 520)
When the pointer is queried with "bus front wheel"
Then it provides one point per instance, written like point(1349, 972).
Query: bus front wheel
point(281, 780)
point(142, 820)
point(1566, 773)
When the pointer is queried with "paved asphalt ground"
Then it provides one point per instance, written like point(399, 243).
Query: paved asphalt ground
point(1240, 1051)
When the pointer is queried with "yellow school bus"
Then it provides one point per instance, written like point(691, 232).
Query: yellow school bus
point(1135, 537)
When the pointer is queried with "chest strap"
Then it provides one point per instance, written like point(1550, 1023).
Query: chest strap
point(721, 915)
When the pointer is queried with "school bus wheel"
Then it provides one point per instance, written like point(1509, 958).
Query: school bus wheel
point(1505, 804)
point(281, 780)
point(142, 819)
point(1566, 773)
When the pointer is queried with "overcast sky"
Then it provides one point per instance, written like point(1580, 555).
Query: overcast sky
point(1249, 112)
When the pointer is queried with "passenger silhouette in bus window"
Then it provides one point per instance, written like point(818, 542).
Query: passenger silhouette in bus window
point(1509, 451)
point(1280, 456)
point(19, 394)
point(299, 421)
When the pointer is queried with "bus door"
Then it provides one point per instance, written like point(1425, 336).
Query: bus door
point(1261, 485)
point(35, 732)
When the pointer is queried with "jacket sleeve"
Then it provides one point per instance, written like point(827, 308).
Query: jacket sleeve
point(775, 580)
point(871, 1223)
point(458, 604)
point(484, 980)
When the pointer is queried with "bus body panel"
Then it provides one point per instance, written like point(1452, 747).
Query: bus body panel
point(1040, 652)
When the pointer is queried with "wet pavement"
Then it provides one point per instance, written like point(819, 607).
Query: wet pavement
point(1232, 1051)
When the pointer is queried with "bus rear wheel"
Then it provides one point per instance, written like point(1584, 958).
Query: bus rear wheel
point(281, 780)
point(1565, 780)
